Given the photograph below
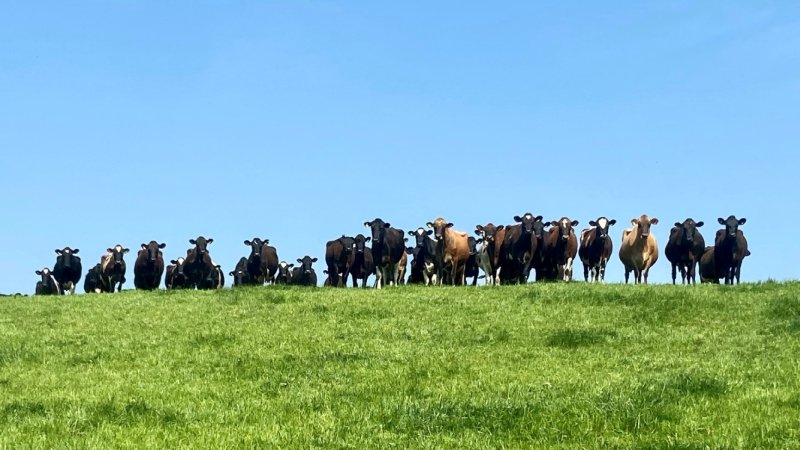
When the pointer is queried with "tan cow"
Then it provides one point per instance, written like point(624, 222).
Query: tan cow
point(639, 250)
point(451, 249)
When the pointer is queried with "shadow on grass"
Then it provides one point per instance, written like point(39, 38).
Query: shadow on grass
point(570, 338)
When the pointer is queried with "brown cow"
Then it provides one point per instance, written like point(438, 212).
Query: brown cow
point(451, 249)
point(639, 250)
point(560, 249)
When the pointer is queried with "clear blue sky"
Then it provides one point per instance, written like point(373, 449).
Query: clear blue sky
point(126, 121)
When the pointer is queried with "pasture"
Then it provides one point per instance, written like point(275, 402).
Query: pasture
point(535, 366)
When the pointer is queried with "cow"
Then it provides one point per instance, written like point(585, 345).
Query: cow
point(304, 274)
point(254, 274)
point(67, 269)
point(216, 279)
point(338, 254)
point(708, 267)
point(596, 248)
point(487, 256)
point(48, 284)
point(730, 249)
point(684, 249)
point(402, 266)
point(327, 281)
point(284, 275)
point(199, 266)
point(471, 268)
point(639, 250)
point(93, 282)
point(423, 266)
point(519, 247)
point(360, 264)
point(452, 251)
point(560, 249)
point(388, 247)
point(176, 275)
point(149, 266)
point(269, 262)
point(240, 274)
point(113, 268)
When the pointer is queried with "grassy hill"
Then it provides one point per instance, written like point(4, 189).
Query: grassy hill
point(562, 365)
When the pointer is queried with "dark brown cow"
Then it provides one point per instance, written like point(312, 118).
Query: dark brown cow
point(520, 245)
point(730, 249)
point(487, 256)
point(149, 266)
point(338, 254)
point(560, 249)
point(113, 265)
point(684, 249)
point(304, 275)
point(388, 247)
point(596, 249)
point(361, 265)
point(198, 265)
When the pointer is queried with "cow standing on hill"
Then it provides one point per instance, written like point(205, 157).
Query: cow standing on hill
point(730, 249)
point(338, 254)
point(48, 284)
point(684, 249)
point(423, 266)
point(487, 255)
point(199, 266)
point(596, 248)
point(240, 275)
point(520, 246)
point(639, 249)
point(360, 264)
point(304, 275)
point(68, 269)
point(149, 266)
point(471, 268)
point(560, 249)
point(93, 282)
point(388, 247)
point(113, 268)
point(176, 277)
point(452, 251)
point(284, 275)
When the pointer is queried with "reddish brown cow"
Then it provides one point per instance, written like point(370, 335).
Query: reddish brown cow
point(453, 249)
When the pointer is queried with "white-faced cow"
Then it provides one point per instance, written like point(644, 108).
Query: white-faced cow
point(684, 249)
point(338, 254)
point(488, 254)
point(388, 247)
point(361, 265)
point(423, 266)
point(240, 274)
point(176, 277)
point(639, 249)
point(68, 269)
point(520, 245)
point(730, 249)
point(284, 275)
point(596, 249)
point(48, 284)
point(149, 266)
point(113, 268)
point(199, 266)
point(560, 249)
point(452, 251)
point(304, 275)
point(93, 282)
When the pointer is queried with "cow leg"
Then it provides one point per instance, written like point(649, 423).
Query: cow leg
point(674, 270)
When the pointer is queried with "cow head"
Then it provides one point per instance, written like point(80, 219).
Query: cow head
point(284, 271)
point(305, 264)
point(642, 225)
point(439, 226)
point(153, 250)
point(419, 235)
point(65, 255)
point(201, 244)
point(239, 274)
point(688, 229)
point(601, 226)
point(731, 225)
point(45, 274)
point(378, 228)
point(488, 232)
point(528, 223)
point(255, 247)
point(347, 244)
point(472, 244)
point(360, 243)
point(179, 264)
point(564, 227)
point(117, 252)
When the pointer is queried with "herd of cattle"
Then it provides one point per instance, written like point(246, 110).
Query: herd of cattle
point(440, 255)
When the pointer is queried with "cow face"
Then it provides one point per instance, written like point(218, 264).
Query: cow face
point(239, 275)
point(688, 229)
point(305, 263)
point(284, 271)
point(153, 250)
point(201, 244)
point(117, 253)
point(564, 227)
point(527, 222)
point(643, 224)
point(347, 244)
point(65, 255)
point(419, 235)
point(255, 247)
point(360, 243)
point(731, 225)
point(45, 274)
point(439, 226)
point(601, 225)
point(488, 232)
point(378, 228)
point(472, 244)
point(179, 264)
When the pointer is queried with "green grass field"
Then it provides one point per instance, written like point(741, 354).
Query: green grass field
point(537, 366)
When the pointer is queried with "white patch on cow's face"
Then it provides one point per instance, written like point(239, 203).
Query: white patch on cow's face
point(46, 271)
point(181, 260)
point(602, 223)
point(67, 251)
point(564, 223)
point(283, 264)
point(118, 248)
point(528, 216)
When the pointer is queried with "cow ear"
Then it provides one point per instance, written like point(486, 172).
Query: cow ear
point(405, 239)
point(479, 240)
point(477, 232)
point(162, 245)
point(192, 241)
point(500, 227)
point(247, 242)
point(313, 260)
point(517, 219)
point(592, 223)
point(575, 223)
point(125, 250)
point(429, 232)
point(699, 224)
point(677, 224)
point(721, 220)
point(429, 225)
point(367, 239)
point(387, 225)
point(612, 222)
point(38, 272)
point(634, 221)
point(300, 260)
point(144, 247)
point(366, 224)
point(108, 250)
point(266, 241)
point(554, 223)
point(410, 233)
point(449, 224)
point(478, 229)
point(230, 274)
point(58, 252)
point(290, 265)
point(75, 250)
point(538, 219)
point(172, 261)
point(653, 221)
point(209, 240)
point(742, 221)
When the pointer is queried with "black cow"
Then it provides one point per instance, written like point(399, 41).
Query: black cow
point(304, 275)
point(471, 268)
point(284, 275)
point(684, 249)
point(255, 275)
point(708, 267)
point(361, 264)
point(519, 245)
point(176, 275)
point(269, 262)
point(338, 254)
point(113, 268)
point(240, 274)
point(149, 266)
point(215, 279)
point(93, 282)
point(388, 248)
point(730, 249)
point(68, 269)
point(424, 266)
point(596, 248)
point(199, 266)
point(48, 284)
point(487, 256)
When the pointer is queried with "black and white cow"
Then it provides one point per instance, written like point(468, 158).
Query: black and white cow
point(388, 248)
point(93, 282)
point(48, 284)
point(240, 274)
point(68, 269)
point(284, 275)
point(113, 268)
point(176, 275)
